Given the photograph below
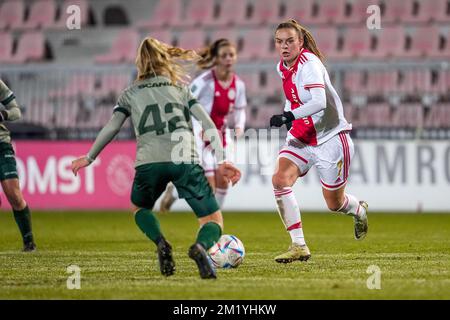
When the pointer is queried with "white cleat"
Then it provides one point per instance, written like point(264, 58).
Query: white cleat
point(362, 222)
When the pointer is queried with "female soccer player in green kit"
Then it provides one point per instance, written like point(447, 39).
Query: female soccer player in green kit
point(160, 107)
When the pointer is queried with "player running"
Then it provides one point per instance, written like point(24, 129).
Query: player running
point(318, 136)
point(160, 109)
point(8, 169)
point(221, 92)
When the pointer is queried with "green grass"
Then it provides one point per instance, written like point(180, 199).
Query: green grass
point(118, 262)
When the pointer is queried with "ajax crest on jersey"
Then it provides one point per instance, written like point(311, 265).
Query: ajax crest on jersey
point(228, 252)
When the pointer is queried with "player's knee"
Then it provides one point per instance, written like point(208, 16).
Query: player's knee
point(281, 180)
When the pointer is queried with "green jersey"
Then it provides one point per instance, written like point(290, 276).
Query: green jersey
point(160, 113)
point(7, 99)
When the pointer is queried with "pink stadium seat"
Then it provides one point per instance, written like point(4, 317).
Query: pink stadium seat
point(228, 33)
point(356, 43)
point(42, 14)
point(124, 48)
point(6, 47)
point(78, 84)
point(375, 116)
point(327, 11)
point(251, 81)
point(353, 82)
point(231, 12)
point(420, 11)
point(391, 41)
point(442, 48)
point(441, 10)
point(165, 13)
point(327, 41)
point(12, 14)
point(273, 85)
point(257, 44)
point(407, 116)
point(31, 48)
point(381, 83)
point(299, 10)
point(438, 116)
point(198, 12)
point(191, 39)
point(423, 40)
point(64, 15)
point(264, 12)
point(414, 82)
point(355, 11)
point(396, 10)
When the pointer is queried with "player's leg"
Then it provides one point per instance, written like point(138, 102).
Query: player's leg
point(194, 187)
point(221, 190)
point(334, 164)
point(149, 183)
point(290, 167)
point(21, 212)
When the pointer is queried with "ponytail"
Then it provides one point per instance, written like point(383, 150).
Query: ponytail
point(209, 54)
point(308, 40)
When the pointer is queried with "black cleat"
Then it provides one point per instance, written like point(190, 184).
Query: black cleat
point(29, 247)
point(166, 263)
point(205, 267)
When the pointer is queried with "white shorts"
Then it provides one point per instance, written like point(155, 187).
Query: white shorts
point(331, 158)
point(207, 158)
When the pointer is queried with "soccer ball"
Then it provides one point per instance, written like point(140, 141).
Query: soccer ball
point(228, 252)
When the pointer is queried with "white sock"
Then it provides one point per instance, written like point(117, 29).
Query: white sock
point(290, 214)
point(351, 206)
point(220, 196)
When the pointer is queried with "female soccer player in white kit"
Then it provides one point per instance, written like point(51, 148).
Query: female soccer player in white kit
point(221, 92)
point(318, 136)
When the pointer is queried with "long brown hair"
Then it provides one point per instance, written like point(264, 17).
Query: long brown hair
point(308, 40)
point(210, 53)
point(158, 58)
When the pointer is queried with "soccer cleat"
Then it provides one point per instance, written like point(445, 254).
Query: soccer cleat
point(361, 222)
point(29, 247)
point(166, 263)
point(295, 252)
point(204, 264)
point(168, 199)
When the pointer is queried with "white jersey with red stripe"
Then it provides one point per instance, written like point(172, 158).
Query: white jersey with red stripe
point(309, 72)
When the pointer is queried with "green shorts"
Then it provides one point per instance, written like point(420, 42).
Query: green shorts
point(8, 167)
point(151, 180)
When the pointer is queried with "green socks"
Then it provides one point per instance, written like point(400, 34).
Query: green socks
point(209, 234)
point(23, 220)
point(149, 224)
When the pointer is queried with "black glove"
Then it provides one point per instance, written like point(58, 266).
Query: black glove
point(279, 119)
point(3, 115)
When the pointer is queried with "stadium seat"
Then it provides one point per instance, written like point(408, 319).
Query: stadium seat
point(327, 41)
point(6, 47)
point(327, 11)
point(438, 116)
point(226, 33)
point(198, 12)
point(353, 82)
point(61, 23)
point(166, 13)
point(420, 11)
point(356, 43)
point(251, 81)
point(414, 82)
point(231, 12)
point(272, 85)
point(257, 43)
point(375, 116)
point(12, 14)
point(78, 84)
point(381, 83)
point(264, 12)
point(441, 10)
point(391, 41)
point(422, 40)
point(407, 116)
point(396, 10)
point(31, 48)
point(442, 45)
point(42, 14)
point(191, 39)
point(113, 84)
point(355, 12)
point(298, 10)
point(123, 49)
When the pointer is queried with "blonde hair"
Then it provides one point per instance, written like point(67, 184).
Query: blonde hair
point(158, 58)
point(308, 40)
point(210, 53)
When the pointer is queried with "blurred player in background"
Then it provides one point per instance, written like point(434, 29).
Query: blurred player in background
point(318, 136)
point(160, 107)
point(8, 169)
point(221, 92)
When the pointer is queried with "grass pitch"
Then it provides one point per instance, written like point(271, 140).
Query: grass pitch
point(118, 262)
